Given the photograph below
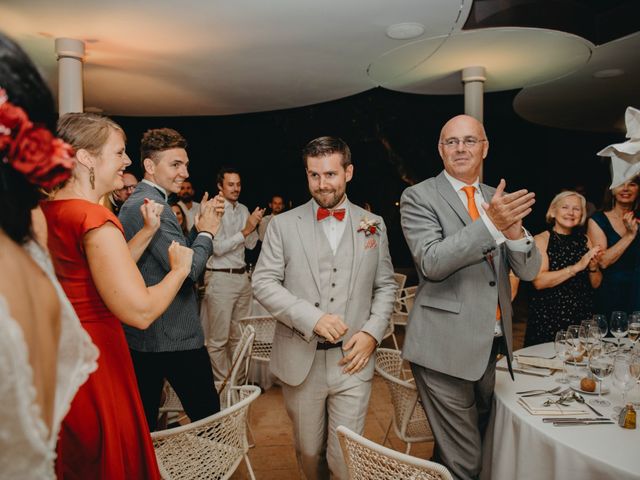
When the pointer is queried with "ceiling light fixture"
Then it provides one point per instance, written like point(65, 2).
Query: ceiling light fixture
point(608, 73)
point(405, 31)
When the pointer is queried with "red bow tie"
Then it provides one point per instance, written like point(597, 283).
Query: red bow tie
point(324, 213)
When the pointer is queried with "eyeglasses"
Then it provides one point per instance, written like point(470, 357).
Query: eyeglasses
point(129, 188)
point(469, 142)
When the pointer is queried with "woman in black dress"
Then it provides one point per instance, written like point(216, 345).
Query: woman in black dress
point(564, 286)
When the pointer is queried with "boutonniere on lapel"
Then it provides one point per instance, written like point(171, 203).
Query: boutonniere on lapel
point(370, 227)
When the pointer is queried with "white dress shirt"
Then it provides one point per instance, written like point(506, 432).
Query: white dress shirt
point(229, 242)
point(331, 226)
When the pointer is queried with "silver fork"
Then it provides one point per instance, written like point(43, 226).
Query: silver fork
point(543, 392)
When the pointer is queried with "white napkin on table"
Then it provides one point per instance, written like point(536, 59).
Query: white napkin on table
point(535, 406)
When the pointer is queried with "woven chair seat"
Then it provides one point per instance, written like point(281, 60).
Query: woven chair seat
point(367, 460)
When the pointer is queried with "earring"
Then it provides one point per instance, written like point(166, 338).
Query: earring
point(92, 178)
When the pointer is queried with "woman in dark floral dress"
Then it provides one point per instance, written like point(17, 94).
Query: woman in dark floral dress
point(569, 273)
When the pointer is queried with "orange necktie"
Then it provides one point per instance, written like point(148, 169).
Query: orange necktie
point(470, 191)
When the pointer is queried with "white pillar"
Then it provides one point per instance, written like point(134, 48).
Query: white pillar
point(70, 54)
point(473, 79)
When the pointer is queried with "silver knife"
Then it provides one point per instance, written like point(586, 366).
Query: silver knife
point(585, 422)
point(572, 419)
point(525, 372)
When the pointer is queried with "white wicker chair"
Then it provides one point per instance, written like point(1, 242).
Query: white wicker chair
point(366, 460)
point(211, 448)
point(400, 279)
point(401, 309)
point(240, 362)
point(265, 328)
point(409, 418)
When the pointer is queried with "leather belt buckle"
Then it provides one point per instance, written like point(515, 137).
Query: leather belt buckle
point(328, 345)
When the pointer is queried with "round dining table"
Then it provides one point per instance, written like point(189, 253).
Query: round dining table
point(521, 446)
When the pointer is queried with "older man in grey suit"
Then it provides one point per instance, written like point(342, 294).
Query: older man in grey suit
point(326, 275)
point(464, 237)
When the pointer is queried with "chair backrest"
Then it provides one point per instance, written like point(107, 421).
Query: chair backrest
point(404, 395)
point(400, 279)
point(212, 447)
point(265, 328)
point(240, 362)
point(367, 460)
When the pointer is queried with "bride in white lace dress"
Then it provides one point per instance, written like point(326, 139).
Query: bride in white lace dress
point(45, 354)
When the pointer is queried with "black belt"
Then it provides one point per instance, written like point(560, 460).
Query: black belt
point(228, 270)
point(327, 345)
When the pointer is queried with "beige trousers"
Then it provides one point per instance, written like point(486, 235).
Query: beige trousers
point(227, 299)
point(327, 398)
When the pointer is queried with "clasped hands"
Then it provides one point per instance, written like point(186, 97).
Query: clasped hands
point(506, 210)
point(359, 347)
point(210, 215)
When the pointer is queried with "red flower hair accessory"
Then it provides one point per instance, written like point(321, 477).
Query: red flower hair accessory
point(32, 150)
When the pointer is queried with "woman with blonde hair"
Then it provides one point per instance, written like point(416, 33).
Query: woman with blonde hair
point(105, 435)
point(569, 273)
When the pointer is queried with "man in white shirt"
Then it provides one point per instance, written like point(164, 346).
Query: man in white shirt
point(276, 205)
point(464, 237)
point(189, 207)
point(227, 296)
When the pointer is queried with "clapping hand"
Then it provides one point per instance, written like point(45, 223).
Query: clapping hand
point(630, 223)
point(180, 258)
point(151, 212)
point(253, 221)
point(590, 259)
point(506, 210)
point(211, 211)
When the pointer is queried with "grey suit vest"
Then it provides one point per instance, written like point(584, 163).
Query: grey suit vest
point(335, 271)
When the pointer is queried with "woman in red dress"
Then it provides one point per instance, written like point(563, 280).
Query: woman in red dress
point(105, 435)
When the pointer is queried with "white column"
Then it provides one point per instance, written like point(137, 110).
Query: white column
point(70, 54)
point(473, 79)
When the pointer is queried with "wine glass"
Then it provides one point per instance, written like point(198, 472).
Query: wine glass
point(601, 365)
point(619, 326)
point(561, 347)
point(623, 377)
point(589, 334)
point(575, 349)
point(601, 321)
point(634, 327)
point(634, 367)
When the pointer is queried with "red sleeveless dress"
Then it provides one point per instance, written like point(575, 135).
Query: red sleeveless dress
point(105, 435)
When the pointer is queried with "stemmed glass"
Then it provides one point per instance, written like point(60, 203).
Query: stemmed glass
point(561, 347)
point(601, 365)
point(589, 335)
point(623, 377)
point(619, 325)
point(634, 366)
point(601, 321)
point(634, 327)
point(575, 350)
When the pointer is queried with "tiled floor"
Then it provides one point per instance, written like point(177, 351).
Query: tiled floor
point(273, 457)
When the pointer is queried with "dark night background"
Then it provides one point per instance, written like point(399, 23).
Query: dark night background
point(393, 137)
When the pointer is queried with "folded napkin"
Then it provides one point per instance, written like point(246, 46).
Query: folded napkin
point(535, 406)
point(550, 363)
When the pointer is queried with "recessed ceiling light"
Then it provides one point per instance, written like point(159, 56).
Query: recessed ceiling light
point(93, 110)
point(608, 73)
point(405, 31)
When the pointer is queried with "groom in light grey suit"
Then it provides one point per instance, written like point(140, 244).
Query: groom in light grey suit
point(464, 237)
point(325, 274)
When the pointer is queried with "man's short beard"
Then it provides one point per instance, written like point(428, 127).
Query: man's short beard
point(188, 197)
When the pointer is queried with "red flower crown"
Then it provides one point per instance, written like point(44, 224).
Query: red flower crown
point(32, 150)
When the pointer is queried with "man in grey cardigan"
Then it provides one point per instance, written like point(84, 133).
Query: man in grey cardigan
point(464, 237)
point(173, 346)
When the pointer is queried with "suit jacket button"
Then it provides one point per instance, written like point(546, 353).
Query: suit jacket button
point(317, 304)
point(335, 269)
point(331, 299)
point(492, 283)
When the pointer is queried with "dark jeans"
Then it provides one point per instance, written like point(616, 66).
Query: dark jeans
point(189, 373)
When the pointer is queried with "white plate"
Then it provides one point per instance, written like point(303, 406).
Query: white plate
point(576, 387)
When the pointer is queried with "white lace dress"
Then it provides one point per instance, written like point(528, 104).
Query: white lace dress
point(27, 447)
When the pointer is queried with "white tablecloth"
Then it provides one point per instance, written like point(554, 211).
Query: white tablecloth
point(520, 446)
